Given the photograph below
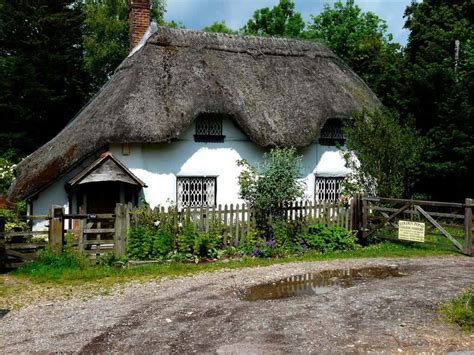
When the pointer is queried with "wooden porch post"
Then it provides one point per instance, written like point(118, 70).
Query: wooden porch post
point(468, 226)
point(122, 224)
point(56, 227)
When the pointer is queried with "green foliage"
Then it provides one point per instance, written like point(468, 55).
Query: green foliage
point(157, 236)
point(281, 20)
point(6, 174)
point(274, 182)
point(107, 259)
point(388, 154)
point(363, 42)
point(460, 310)
point(328, 238)
point(106, 40)
point(218, 27)
point(439, 93)
point(50, 260)
point(43, 82)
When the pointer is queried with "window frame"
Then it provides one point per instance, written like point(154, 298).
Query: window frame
point(327, 194)
point(180, 204)
point(209, 119)
point(331, 133)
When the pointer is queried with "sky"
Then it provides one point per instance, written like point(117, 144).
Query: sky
point(197, 14)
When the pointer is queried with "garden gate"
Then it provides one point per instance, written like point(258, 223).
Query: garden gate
point(450, 224)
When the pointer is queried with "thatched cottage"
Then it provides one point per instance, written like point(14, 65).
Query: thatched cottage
point(179, 112)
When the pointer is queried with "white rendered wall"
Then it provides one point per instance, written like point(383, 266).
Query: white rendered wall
point(158, 165)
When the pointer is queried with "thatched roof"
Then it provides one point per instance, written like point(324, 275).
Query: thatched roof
point(279, 91)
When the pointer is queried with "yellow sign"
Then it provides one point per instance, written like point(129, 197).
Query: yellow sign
point(414, 231)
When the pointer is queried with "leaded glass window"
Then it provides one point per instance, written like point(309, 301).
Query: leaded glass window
point(196, 191)
point(332, 133)
point(209, 128)
point(327, 189)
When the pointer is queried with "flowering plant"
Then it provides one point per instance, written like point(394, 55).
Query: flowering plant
point(6, 174)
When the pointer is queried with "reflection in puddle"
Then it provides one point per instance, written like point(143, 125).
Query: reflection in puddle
point(319, 283)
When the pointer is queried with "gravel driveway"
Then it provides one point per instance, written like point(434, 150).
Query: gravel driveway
point(205, 314)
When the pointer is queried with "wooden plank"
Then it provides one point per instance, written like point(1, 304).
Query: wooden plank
point(468, 227)
point(25, 246)
point(237, 223)
point(89, 216)
point(37, 217)
point(99, 241)
point(434, 214)
point(23, 256)
point(24, 234)
point(364, 216)
point(98, 230)
point(441, 229)
point(226, 232)
point(413, 202)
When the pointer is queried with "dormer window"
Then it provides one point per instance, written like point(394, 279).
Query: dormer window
point(332, 133)
point(209, 128)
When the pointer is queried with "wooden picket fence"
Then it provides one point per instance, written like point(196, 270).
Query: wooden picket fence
point(239, 219)
point(96, 234)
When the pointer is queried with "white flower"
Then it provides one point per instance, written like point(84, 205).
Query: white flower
point(180, 224)
point(157, 223)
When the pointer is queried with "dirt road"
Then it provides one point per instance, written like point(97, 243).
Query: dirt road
point(205, 313)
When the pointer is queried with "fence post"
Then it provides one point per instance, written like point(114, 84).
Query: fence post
point(365, 215)
point(468, 226)
point(122, 224)
point(3, 250)
point(56, 227)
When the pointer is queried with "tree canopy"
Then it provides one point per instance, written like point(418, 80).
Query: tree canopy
point(281, 20)
point(44, 82)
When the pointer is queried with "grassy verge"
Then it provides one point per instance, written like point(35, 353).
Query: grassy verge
point(72, 275)
point(460, 310)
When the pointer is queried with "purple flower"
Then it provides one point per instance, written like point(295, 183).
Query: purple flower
point(255, 252)
point(270, 243)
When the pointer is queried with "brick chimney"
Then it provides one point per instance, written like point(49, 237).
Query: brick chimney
point(139, 19)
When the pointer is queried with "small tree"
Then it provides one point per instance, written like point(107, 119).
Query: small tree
point(274, 182)
point(384, 156)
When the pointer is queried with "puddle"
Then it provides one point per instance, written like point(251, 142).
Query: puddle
point(319, 283)
point(3, 312)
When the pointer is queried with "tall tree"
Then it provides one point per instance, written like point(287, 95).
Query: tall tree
point(43, 79)
point(361, 39)
point(106, 35)
point(440, 92)
point(281, 20)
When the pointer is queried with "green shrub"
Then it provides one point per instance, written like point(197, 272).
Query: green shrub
point(108, 259)
point(460, 310)
point(50, 260)
point(327, 239)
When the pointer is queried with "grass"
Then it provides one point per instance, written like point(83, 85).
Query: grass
point(460, 310)
point(74, 272)
point(63, 278)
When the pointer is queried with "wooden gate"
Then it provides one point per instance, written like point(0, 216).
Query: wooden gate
point(91, 234)
point(449, 224)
